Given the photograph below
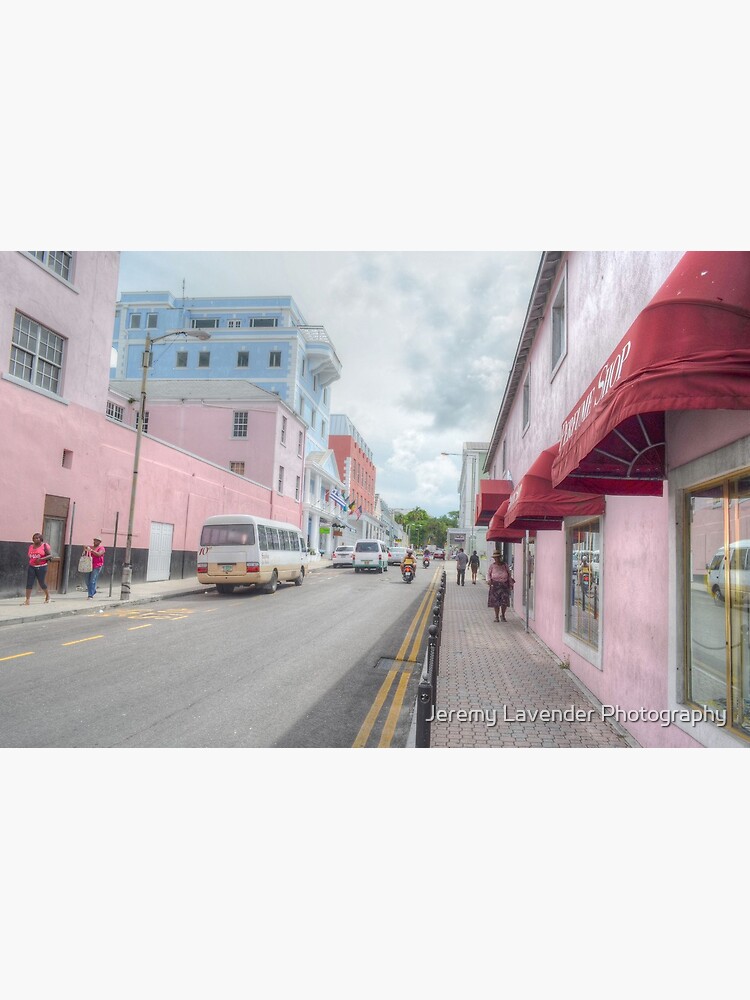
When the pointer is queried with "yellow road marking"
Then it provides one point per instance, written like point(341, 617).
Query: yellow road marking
point(390, 723)
point(15, 656)
point(372, 715)
point(426, 603)
point(88, 639)
point(134, 628)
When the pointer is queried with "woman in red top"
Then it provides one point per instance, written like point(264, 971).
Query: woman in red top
point(39, 556)
point(96, 551)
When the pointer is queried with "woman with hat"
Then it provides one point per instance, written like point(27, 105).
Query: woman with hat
point(96, 551)
point(500, 582)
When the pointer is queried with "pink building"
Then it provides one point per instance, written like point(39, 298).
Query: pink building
point(625, 433)
point(231, 422)
point(68, 467)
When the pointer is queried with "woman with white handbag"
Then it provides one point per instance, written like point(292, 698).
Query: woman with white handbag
point(91, 563)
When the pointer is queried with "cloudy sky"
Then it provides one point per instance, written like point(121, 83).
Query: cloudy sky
point(425, 341)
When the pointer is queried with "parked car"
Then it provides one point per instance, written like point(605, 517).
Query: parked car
point(395, 554)
point(370, 553)
point(439, 554)
point(739, 572)
point(343, 556)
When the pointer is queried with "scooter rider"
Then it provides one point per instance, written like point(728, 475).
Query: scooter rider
point(426, 558)
point(409, 560)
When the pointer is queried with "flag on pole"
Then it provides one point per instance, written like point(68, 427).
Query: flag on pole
point(328, 495)
point(359, 511)
point(338, 499)
point(352, 505)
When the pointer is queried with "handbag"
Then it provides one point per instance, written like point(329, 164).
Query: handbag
point(85, 564)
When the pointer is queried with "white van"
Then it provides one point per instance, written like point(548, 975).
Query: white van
point(370, 553)
point(241, 550)
point(739, 572)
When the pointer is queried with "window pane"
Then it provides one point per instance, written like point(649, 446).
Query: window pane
point(243, 359)
point(707, 667)
point(584, 575)
point(739, 600)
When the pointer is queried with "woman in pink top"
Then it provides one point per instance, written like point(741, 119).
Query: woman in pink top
point(39, 556)
point(500, 581)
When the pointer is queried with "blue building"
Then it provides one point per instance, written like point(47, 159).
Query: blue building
point(263, 339)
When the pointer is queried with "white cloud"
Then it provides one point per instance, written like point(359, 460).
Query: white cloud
point(425, 340)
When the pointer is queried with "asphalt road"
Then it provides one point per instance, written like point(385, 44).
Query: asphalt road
point(333, 663)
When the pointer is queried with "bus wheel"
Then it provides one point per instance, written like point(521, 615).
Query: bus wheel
point(225, 588)
point(273, 583)
point(301, 578)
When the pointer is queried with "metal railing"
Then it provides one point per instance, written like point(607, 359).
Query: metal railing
point(427, 690)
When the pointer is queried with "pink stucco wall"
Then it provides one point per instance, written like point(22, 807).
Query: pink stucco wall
point(173, 487)
point(206, 431)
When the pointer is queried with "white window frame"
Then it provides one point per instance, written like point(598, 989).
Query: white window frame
point(280, 484)
point(134, 323)
point(37, 354)
point(246, 355)
point(237, 467)
point(526, 402)
point(297, 488)
point(181, 355)
point(115, 412)
point(58, 261)
point(240, 423)
point(559, 333)
point(152, 317)
point(272, 356)
point(204, 324)
point(201, 356)
point(234, 324)
point(283, 430)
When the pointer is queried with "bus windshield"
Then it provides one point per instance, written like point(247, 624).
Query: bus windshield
point(228, 534)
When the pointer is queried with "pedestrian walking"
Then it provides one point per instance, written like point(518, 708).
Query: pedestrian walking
point(500, 582)
point(474, 565)
point(40, 555)
point(461, 562)
point(96, 551)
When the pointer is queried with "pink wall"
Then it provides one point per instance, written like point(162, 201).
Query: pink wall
point(206, 431)
point(173, 487)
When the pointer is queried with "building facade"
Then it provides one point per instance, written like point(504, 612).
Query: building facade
point(68, 465)
point(624, 440)
point(261, 339)
point(230, 422)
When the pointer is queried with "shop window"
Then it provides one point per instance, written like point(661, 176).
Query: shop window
point(717, 675)
point(584, 582)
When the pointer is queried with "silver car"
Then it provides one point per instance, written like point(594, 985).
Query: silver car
point(343, 556)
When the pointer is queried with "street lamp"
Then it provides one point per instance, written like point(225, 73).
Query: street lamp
point(127, 569)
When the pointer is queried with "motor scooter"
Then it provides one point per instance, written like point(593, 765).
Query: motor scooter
point(426, 562)
point(407, 573)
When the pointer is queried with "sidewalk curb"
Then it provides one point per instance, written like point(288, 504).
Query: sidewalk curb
point(106, 603)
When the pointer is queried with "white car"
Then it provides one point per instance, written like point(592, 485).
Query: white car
point(343, 556)
point(395, 554)
point(370, 554)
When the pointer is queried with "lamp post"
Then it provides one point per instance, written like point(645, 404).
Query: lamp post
point(127, 569)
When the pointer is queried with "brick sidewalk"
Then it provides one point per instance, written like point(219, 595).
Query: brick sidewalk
point(510, 682)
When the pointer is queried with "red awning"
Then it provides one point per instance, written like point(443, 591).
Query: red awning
point(491, 494)
point(689, 349)
point(497, 532)
point(536, 504)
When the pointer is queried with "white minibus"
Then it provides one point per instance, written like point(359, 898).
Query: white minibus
point(241, 550)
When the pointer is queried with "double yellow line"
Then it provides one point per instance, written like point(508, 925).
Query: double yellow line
point(414, 634)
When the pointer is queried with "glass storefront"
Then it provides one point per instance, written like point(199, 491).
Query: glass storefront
point(718, 605)
point(584, 582)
